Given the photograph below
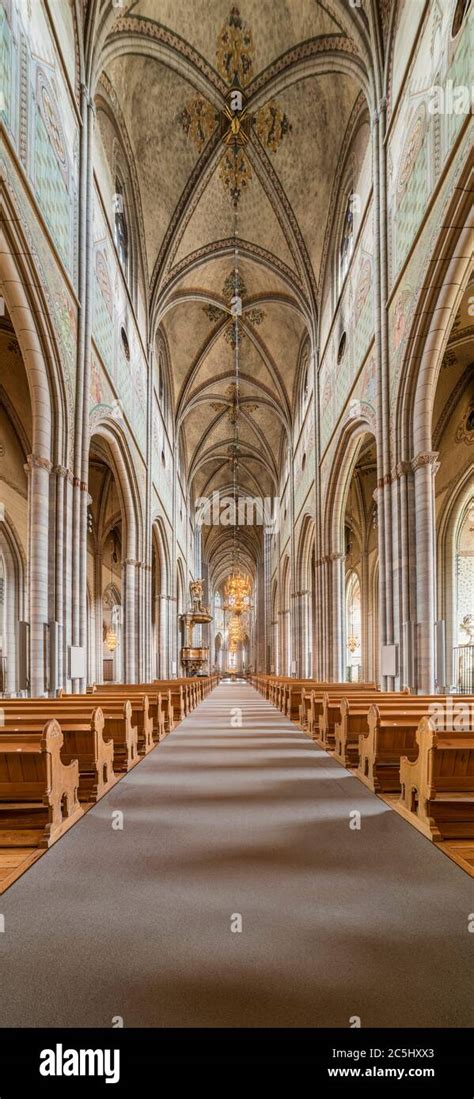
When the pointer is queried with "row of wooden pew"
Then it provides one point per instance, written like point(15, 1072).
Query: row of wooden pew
point(418, 749)
point(59, 755)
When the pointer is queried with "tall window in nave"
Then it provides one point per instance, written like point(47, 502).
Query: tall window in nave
point(347, 242)
point(121, 235)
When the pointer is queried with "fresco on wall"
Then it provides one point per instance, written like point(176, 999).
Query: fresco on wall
point(433, 108)
point(51, 168)
point(362, 405)
point(61, 304)
point(44, 135)
point(404, 302)
point(304, 462)
point(102, 327)
point(161, 459)
point(351, 336)
point(114, 332)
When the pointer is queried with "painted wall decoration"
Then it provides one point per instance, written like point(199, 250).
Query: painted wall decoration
point(404, 302)
point(44, 134)
point(434, 106)
point(161, 469)
point(351, 336)
point(61, 304)
point(51, 168)
point(103, 328)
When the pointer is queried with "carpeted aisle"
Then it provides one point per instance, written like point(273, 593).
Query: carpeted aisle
point(221, 821)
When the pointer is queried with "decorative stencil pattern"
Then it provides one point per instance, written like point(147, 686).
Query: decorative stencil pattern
point(103, 325)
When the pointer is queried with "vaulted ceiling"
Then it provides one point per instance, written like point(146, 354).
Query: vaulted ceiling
point(300, 67)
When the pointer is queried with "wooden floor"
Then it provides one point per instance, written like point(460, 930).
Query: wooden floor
point(460, 851)
point(13, 863)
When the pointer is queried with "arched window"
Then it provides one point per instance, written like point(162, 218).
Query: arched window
point(460, 12)
point(464, 626)
point(121, 235)
point(463, 632)
point(353, 627)
point(347, 242)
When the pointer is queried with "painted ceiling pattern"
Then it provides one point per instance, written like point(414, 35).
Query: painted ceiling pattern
point(236, 136)
point(234, 61)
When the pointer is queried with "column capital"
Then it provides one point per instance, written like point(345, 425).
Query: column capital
point(402, 469)
point(426, 458)
point(35, 461)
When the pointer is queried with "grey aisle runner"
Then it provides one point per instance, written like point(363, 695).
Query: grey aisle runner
point(229, 827)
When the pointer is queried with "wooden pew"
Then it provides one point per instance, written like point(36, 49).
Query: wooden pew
point(312, 701)
point(353, 714)
point(172, 697)
point(38, 791)
point(117, 713)
point(83, 741)
point(147, 714)
point(142, 713)
point(437, 786)
point(390, 733)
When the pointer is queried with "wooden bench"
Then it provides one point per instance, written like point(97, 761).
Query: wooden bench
point(147, 714)
point(83, 741)
point(117, 713)
point(390, 734)
point(353, 714)
point(38, 791)
point(311, 707)
point(437, 785)
point(169, 709)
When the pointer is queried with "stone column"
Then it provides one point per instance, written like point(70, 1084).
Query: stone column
point(267, 552)
point(338, 670)
point(131, 579)
point(365, 611)
point(425, 467)
point(98, 671)
point(321, 657)
point(163, 670)
point(60, 562)
point(38, 470)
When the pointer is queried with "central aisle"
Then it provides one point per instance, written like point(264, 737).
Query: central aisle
point(221, 820)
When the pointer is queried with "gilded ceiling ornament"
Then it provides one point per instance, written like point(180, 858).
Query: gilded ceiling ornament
point(198, 120)
point(234, 284)
point(235, 173)
point(271, 125)
point(234, 50)
point(255, 316)
point(212, 312)
point(230, 334)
